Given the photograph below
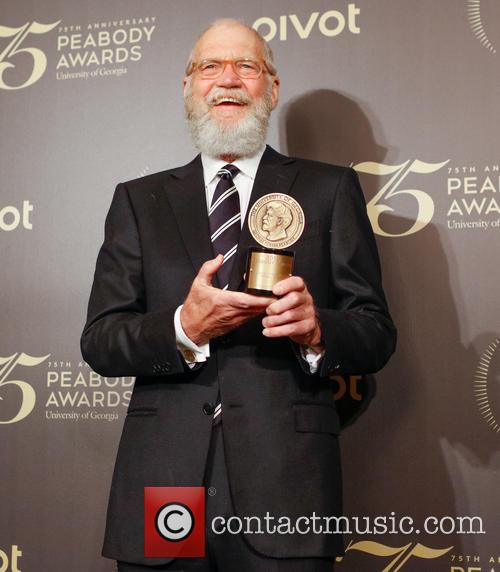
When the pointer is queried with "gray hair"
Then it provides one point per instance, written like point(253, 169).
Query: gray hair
point(268, 53)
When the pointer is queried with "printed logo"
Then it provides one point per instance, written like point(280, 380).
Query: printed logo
point(347, 386)
point(472, 192)
point(174, 522)
point(27, 393)
point(104, 49)
point(12, 217)
point(10, 564)
point(399, 554)
point(482, 15)
point(486, 384)
point(330, 24)
point(387, 195)
point(75, 392)
point(9, 59)
point(474, 563)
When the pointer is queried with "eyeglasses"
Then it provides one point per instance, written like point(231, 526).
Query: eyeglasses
point(244, 68)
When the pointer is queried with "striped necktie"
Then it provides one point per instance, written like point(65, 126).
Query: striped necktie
point(225, 221)
point(224, 218)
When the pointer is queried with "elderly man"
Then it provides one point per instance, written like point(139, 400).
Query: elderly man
point(232, 390)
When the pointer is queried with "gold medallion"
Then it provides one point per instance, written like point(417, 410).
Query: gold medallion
point(276, 221)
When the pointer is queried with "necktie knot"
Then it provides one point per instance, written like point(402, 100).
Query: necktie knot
point(228, 171)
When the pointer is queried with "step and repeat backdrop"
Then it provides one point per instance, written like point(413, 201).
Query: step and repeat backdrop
point(406, 92)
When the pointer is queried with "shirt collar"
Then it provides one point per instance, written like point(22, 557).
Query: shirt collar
point(247, 165)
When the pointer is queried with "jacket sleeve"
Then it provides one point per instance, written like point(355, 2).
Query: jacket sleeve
point(120, 337)
point(357, 329)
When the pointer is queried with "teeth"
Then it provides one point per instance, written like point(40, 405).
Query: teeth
point(227, 100)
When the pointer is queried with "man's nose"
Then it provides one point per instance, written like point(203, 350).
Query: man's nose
point(228, 77)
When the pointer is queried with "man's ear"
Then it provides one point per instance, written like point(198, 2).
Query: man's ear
point(275, 91)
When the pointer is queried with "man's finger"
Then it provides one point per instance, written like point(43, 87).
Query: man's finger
point(289, 316)
point(288, 284)
point(292, 329)
point(291, 300)
point(247, 301)
point(209, 268)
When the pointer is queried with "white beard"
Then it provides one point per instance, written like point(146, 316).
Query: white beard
point(243, 138)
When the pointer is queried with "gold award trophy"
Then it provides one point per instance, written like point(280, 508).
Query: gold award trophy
point(276, 221)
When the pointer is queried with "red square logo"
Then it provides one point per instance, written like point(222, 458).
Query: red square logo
point(174, 522)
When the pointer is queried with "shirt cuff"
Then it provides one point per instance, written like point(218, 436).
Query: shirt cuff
point(311, 357)
point(191, 353)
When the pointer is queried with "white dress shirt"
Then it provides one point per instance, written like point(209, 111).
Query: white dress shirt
point(243, 181)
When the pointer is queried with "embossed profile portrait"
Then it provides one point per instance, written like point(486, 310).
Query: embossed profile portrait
point(277, 218)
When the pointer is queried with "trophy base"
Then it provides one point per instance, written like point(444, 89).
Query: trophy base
point(265, 268)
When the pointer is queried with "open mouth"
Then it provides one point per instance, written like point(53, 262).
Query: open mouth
point(228, 102)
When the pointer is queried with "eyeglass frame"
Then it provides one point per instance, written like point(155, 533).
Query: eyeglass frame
point(194, 67)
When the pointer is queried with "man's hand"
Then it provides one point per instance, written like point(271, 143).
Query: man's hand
point(209, 312)
point(293, 315)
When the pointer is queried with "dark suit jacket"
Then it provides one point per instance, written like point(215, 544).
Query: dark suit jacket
point(280, 422)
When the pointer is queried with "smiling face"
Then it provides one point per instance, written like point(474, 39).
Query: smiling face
point(228, 115)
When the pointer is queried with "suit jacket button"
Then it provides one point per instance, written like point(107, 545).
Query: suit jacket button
point(208, 408)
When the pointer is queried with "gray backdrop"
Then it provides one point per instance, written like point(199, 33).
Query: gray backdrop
point(405, 91)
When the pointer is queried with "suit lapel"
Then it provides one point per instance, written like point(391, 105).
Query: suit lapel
point(276, 174)
point(185, 190)
point(186, 193)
